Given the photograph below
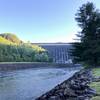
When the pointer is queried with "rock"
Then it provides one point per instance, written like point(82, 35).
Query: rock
point(69, 92)
point(91, 91)
point(80, 92)
point(96, 79)
point(57, 87)
point(63, 85)
point(53, 98)
point(83, 98)
point(75, 88)
point(44, 96)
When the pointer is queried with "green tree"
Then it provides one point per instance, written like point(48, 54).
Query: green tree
point(13, 50)
point(88, 49)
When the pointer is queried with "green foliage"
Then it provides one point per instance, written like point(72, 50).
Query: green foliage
point(96, 72)
point(88, 49)
point(43, 57)
point(96, 85)
point(11, 50)
point(96, 98)
point(5, 41)
point(11, 37)
point(77, 51)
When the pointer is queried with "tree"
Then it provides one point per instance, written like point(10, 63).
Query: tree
point(88, 49)
point(12, 50)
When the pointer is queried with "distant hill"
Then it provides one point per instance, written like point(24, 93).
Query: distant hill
point(5, 41)
point(11, 37)
point(12, 49)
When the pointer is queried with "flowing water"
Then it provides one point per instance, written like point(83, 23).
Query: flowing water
point(28, 84)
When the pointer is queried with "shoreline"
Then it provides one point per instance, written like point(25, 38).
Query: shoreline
point(75, 88)
point(4, 66)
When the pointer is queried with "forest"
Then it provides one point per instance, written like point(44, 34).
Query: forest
point(12, 49)
point(87, 51)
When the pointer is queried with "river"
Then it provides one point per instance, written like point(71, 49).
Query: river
point(28, 84)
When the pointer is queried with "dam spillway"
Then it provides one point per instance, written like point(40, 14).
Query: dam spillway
point(59, 52)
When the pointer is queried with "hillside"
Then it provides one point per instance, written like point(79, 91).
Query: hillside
point(11, 37)
point(12, 49)
point(5, 41)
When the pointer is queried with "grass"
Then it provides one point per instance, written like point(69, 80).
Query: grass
point(96, 98)
point(96, 72)
point(96, 85)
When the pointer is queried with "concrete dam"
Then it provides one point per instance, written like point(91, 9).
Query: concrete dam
point(59, 52)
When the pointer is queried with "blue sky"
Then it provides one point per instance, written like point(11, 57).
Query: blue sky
point(41, 20)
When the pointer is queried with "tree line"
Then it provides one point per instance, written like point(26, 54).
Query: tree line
point(87, 50)
point(12, 49)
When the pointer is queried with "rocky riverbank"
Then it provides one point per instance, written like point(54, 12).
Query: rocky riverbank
point(75, 88)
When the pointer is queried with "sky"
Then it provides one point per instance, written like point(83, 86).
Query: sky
point(41, 20)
